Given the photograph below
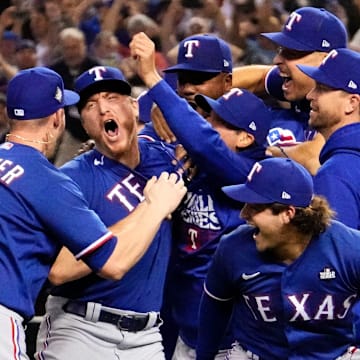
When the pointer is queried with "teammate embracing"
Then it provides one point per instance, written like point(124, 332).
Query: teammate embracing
point(90, 317)
point(42, 209)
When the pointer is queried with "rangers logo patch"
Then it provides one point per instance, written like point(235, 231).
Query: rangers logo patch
point(280, 136)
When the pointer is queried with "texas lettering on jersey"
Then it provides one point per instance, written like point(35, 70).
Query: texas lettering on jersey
point(9, 171)
point(120, 191)
point(304, 307)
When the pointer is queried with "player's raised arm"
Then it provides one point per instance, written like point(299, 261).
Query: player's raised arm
point(143, 49)
point(135, 233)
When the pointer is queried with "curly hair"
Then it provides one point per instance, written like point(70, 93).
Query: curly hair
point(313, 219)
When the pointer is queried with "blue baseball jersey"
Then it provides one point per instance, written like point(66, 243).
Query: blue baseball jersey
point(113, 190)
point(205, 213)
point(339, 174)
point(297, 311)
point(41, 210)
point(288, 126)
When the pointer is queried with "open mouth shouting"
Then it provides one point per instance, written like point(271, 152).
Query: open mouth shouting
point(111, 128)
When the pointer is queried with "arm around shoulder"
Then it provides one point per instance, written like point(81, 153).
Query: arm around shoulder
point(251, 77)
point(134, 233)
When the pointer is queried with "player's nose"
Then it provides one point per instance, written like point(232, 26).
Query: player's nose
point(103, 106)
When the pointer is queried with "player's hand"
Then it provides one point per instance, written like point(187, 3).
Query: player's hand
point(142, 48)
point(165, 192)
point(161, 127)
point(352, 353)
point(188, 168)
point(86, 146)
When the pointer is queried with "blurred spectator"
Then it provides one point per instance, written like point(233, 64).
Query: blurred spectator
point(25, 54)
point(4, 120)
point(8, 41)
point(142, 23)
point(185, 18)
point(74, 56)
point(8, 45)
point(41, 33)
point(105, 49)
point(248, 20)
point(74, 61)
point(25, 57)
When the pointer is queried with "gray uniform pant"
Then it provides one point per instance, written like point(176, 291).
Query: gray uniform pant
point(12, 338)
point(64, 336)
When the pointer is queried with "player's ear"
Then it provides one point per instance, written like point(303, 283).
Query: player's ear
point(58, 119)
point(288, 214)
point(244, 139)
point(228, 82)
point(135, 106)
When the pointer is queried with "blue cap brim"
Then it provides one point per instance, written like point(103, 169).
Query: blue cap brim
point(285, 41)
point(315, 73)
point(70, 97)
point(243, 194)
point(205, 103)
point(190, 67)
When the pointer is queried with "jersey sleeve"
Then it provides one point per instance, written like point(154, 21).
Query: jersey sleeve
point(74, 225)
point(215, 307)
point(218, 284)
point(273, 84)
point(202, 142)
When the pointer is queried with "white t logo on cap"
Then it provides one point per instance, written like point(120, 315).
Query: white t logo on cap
point(233, 91)
point(294, 16)
point(97, 70)
point(189, 45)
point(255, 169)
point(332, 54)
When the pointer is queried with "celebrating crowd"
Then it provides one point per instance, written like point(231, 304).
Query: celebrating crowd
point(179, 179)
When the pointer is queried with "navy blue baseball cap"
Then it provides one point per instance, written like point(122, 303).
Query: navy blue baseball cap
point(242, 109)
point(36, 93)
point(339, 70)
point(275, 180)
point(99, 79)
point(204, 53)
point(311, 29)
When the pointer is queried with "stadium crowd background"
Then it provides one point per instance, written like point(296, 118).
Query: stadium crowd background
point(71, 36)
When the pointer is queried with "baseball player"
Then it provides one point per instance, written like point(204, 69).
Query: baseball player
point(198, 71)
point(225, 146)
point(92, 317)
point(209, 75)
point(291, 276)
point(307, 36)
point(335, 107)
point(43, 209)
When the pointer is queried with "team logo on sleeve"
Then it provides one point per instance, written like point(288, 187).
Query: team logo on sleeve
point(280, 136)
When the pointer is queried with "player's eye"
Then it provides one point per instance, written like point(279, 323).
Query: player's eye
point(291, 54)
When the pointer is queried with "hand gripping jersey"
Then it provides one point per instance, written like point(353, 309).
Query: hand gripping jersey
point(299, 311)
point(113, 190)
